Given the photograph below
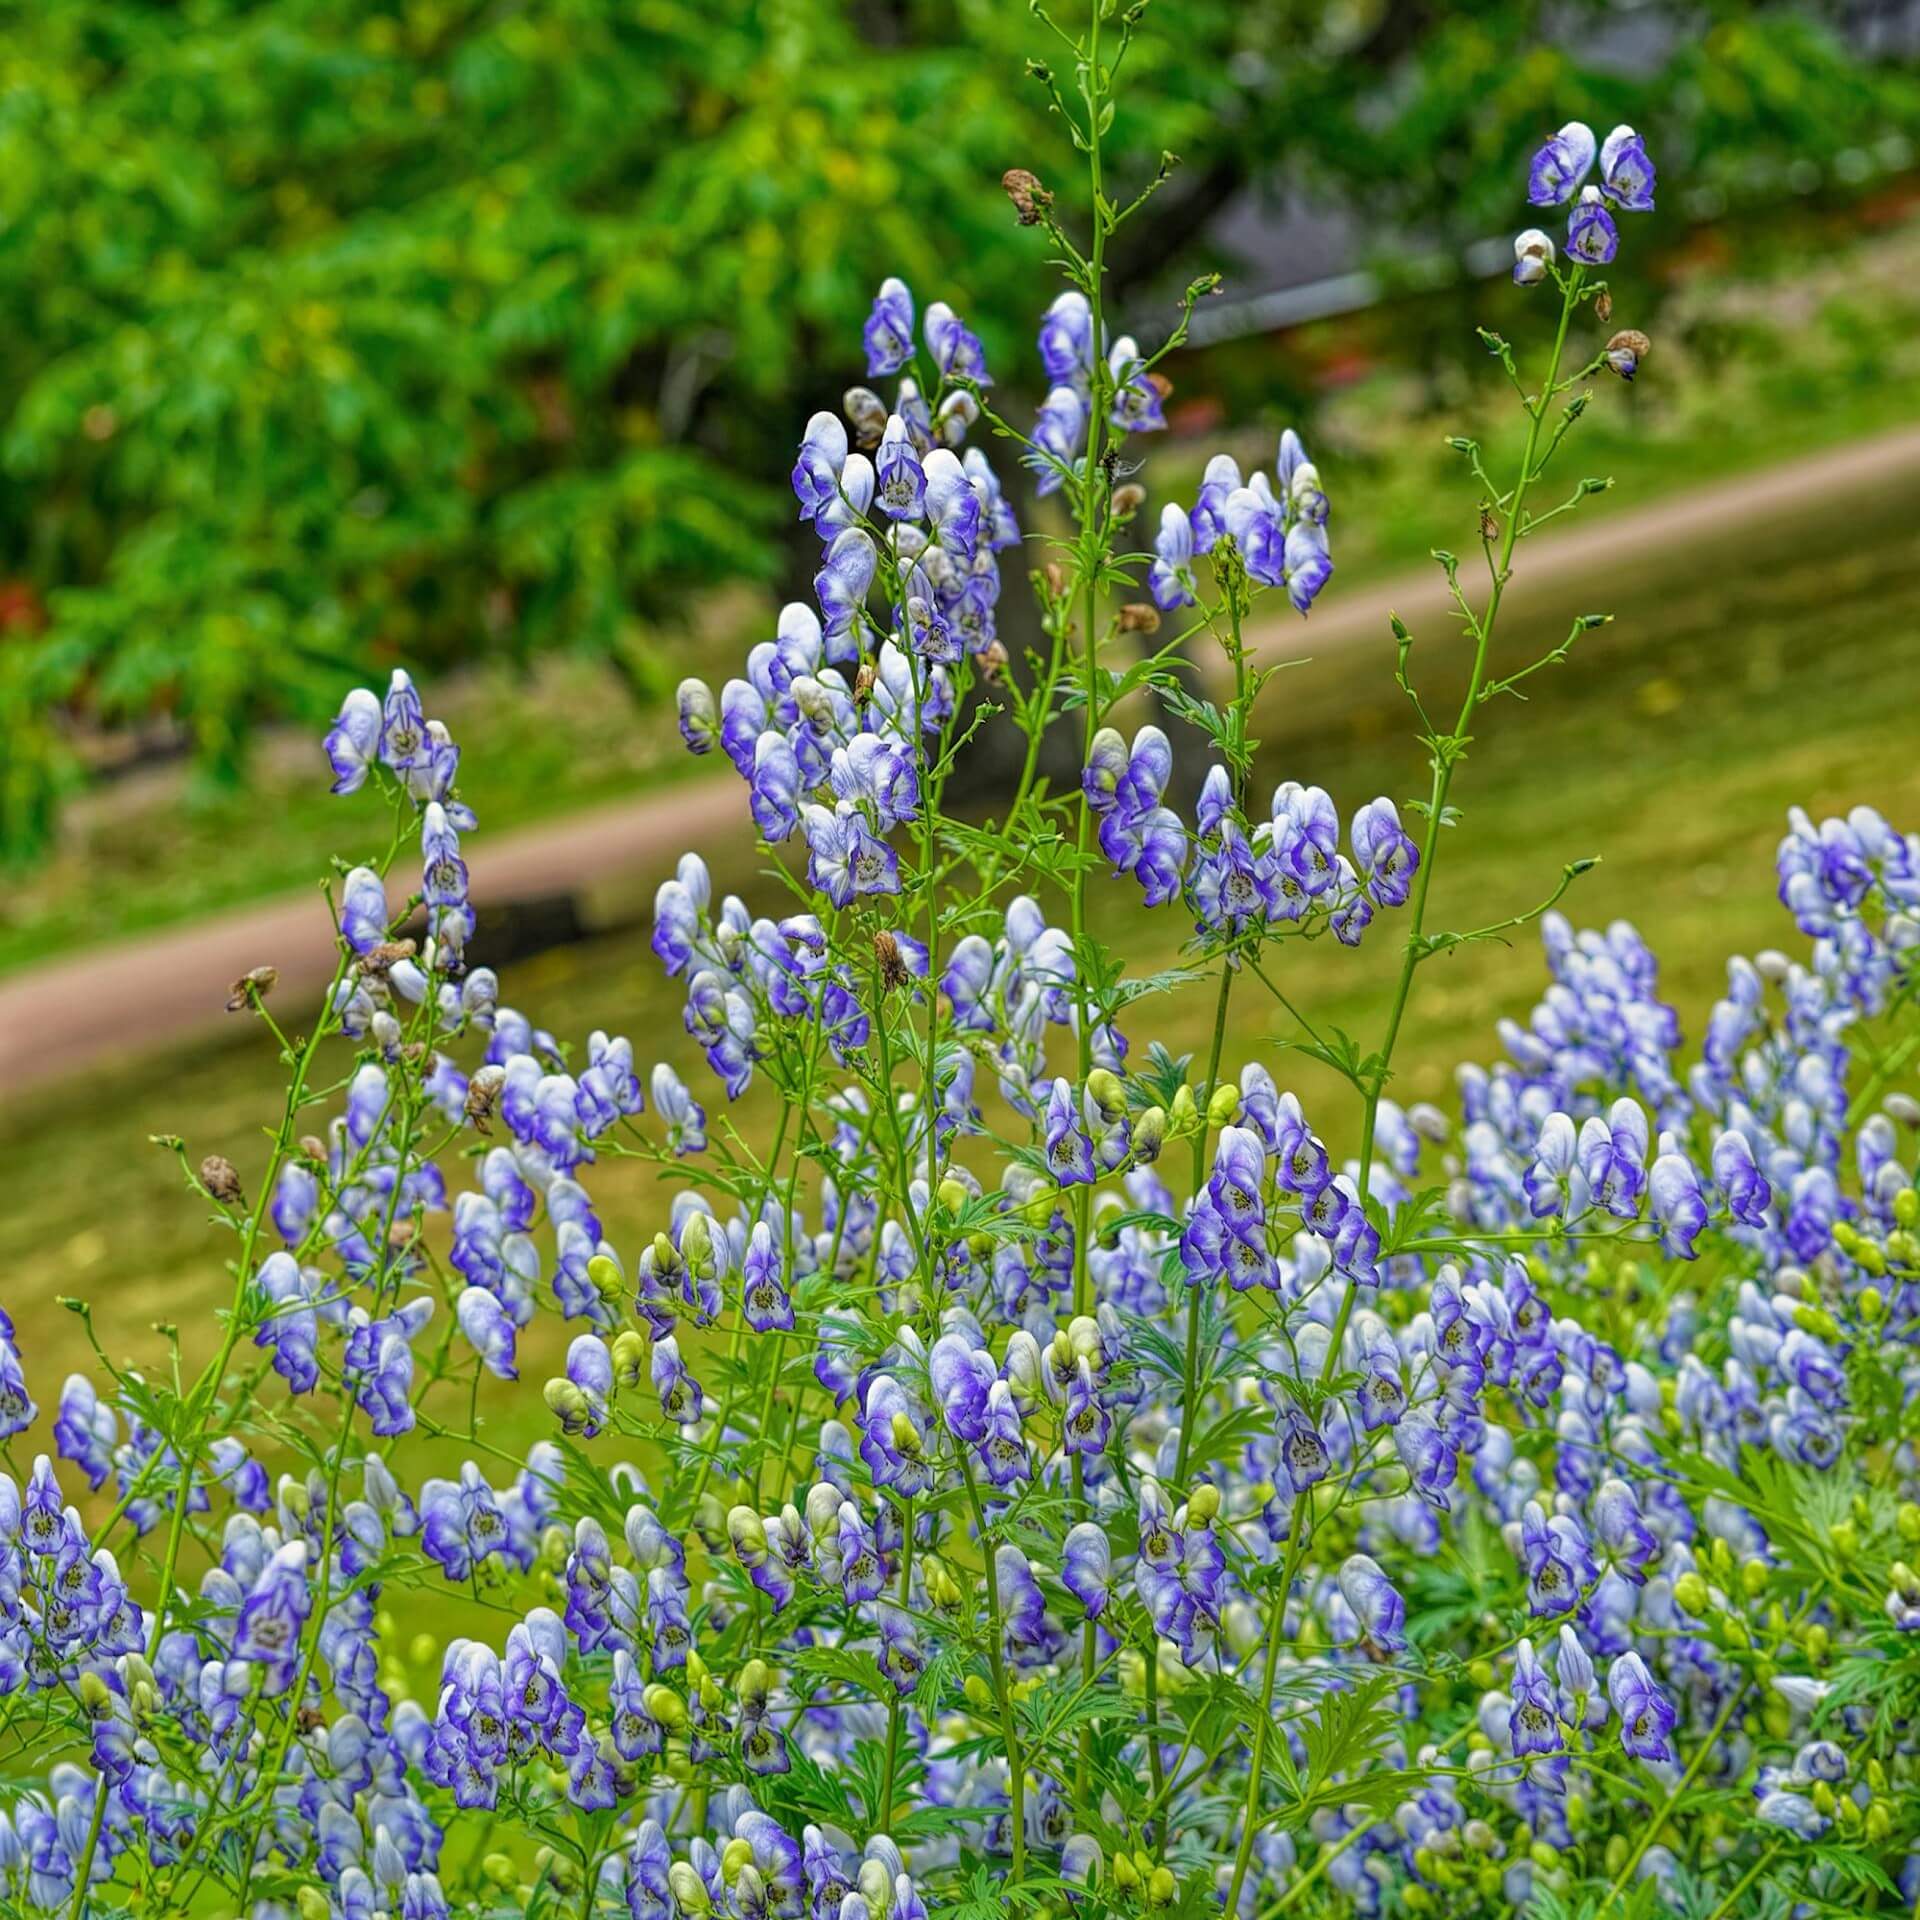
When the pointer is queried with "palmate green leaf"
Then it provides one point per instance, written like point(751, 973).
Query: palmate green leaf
point(1348, 1730)
point(1857, 1866)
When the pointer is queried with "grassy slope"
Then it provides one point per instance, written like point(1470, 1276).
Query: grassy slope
point(1734, 683)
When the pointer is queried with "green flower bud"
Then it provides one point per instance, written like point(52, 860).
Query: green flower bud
point(628, 1351)
point(688, 1889)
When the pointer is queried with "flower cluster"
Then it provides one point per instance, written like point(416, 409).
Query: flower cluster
point(1127, 1490)
point(1559, 174)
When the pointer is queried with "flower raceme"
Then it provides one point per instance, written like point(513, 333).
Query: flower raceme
point(1034, 1459)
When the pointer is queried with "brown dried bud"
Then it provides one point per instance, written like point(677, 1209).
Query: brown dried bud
point(1056, 578)
point(314, 1148)
point(414, 1052)
point(1030, 199)
point(1603, 306)
point(253, 985)
point(893, 965)
point(1626, 350)
point(992, 660)
point(867, 414)
point(377, 961)
point(1128, 500)
point(1139, 616)
point(217, 1175)
point(1489, 526)
point(863, 683)
point(1161, 385)
point(482, 1091)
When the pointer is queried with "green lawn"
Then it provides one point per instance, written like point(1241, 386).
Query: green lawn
point(1733, 683)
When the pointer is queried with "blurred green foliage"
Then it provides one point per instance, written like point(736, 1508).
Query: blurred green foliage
point(335, 333)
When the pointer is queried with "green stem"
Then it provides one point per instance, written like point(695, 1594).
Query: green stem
point(1446, 754)
point(893, 1704)
point(1673, 1799)
point(997, 1666)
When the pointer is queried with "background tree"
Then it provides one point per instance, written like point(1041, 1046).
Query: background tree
point(332, 334)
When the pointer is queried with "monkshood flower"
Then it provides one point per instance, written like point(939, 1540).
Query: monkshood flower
point(844, 855)
point(1170, 578)
point(954, 346)
point(1376, 1604)
point(1647, 1716)
point(1532, 1720)
point(1136, 392)
point(353, 742)
point(900, 481)
point(889, 329)
point(1059, 430)
point(1087, 1567)
point(1533, 256)
point(1066, 341)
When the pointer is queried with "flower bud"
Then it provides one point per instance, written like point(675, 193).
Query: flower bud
point(217, 1175)
point(738, 1854)
point(1223, 1106)
point(699, 716)
point(1690, 1591)
point(665, 1706)
point(979, 1694)
point(1183, 1115)
point(1533, 256)
point(629, 1355)
point(1203, 1504)
point(500, 1870)
point(312, 1904)
point(565, 1401)
point(1125, 1878)
point(94, 1693)
point(688, 1889)
point(1161, 1887)
point(876, 1885)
